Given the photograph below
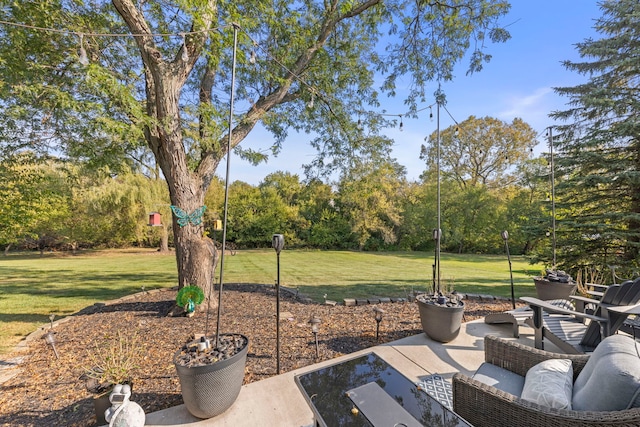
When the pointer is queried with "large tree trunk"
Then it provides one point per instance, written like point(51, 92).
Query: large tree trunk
point(164, 238)
point(196, 258)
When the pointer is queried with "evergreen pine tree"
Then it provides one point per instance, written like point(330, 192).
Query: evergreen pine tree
point(597, 162)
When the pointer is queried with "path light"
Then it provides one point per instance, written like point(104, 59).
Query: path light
point(82, 56)
point(505, 237)
point(378, 312)
point(315, 327)
point(51, 340)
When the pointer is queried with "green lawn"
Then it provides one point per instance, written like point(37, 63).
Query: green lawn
point(34, 287)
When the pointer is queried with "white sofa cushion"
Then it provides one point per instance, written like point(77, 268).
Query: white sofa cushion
point(550, 383)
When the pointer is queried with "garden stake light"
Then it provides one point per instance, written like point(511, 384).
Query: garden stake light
point(505, 237)
point(315, 324)
point(277, 241)
point(51, 340)
point(378, 312)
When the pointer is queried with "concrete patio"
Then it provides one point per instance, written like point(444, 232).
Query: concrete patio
point(277, 401)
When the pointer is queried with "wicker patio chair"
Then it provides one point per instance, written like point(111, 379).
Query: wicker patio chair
point(483, 405)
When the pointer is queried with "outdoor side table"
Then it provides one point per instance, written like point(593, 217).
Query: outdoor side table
point(367, 391)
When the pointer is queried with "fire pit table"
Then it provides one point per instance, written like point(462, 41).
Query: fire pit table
point(367, 391)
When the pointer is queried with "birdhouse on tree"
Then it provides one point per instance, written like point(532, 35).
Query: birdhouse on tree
point(155, 219)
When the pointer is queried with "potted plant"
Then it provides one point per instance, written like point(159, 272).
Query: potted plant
point(555, 284)
point(210, 368)
point(441, 313)
point(111, 362)
point(211, 372)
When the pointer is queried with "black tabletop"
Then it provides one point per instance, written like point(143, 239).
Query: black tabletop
point(326, 390)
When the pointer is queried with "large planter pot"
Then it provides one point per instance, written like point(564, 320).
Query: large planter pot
point(440, 322)
point(549, 290)
point(211, 389)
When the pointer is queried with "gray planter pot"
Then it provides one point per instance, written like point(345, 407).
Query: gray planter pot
point(210, 390)
point(548, 290)
point(440, 323)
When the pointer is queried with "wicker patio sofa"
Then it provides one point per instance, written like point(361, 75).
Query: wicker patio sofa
point(486, 405)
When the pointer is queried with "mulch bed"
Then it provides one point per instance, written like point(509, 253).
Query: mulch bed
point(48, 391)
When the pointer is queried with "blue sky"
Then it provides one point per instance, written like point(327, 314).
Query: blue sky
point(517, 82)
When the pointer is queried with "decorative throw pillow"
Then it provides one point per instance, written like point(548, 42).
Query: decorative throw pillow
point(550, 383)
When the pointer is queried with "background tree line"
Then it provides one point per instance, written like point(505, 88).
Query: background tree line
point(55, 204)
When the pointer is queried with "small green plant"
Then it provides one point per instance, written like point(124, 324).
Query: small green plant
point(112, 362)
point(447, 286)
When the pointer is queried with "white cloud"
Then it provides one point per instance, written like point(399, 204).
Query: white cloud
point(533, 105)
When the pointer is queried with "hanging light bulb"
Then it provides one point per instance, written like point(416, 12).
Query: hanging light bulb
point(310, 104)
point(457, 132)
point(83, 59)
point(185, 54)
point(252, 57)
point(359, 126)
point(401, 124)
point(430, 113)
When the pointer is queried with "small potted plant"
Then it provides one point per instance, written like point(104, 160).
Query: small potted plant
point(211, 372)
point(111, 362)
point(441, 313)
point(210, 368)
point(555, 284)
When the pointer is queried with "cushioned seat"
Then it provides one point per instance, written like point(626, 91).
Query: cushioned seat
point(601, 389)
point(500, 378)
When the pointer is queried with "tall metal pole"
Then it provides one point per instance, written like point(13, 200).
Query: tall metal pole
point(439, 229)
point(553, 195)
point(226, 183)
